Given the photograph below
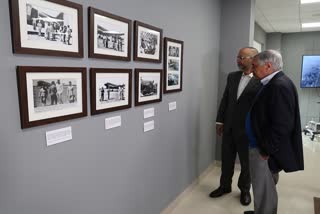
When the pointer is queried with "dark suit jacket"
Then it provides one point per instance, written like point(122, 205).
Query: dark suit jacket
point(232, 112)
point(275, 120)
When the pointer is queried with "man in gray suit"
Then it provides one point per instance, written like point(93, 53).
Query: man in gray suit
point(237, 98)
point(274, 130)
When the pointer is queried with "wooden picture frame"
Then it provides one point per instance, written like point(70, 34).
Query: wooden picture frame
point(51, 94)
point(111, 89)
point(173, 65)
point(147, 43)
point(47, 27)
point(148, 86)
point(109, 35)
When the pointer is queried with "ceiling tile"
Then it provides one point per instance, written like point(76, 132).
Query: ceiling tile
point(285, 15)
point(263, 4)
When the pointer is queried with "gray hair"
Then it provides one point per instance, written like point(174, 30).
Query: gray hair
point(272, 56)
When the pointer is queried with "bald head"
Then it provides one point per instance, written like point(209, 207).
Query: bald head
point(244, 59)
point(250, 50)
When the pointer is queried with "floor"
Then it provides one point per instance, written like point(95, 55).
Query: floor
point(295, 190)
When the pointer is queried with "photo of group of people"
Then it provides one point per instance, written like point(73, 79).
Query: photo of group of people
point(111, 89)
point(49, 93)
point(48, 25)
point(108, 39)
point(111, 93)
point(174, 51)
point(109, 35)
point(148, 43)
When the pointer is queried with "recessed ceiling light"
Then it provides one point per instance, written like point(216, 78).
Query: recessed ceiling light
point(309, 1)
point(312, 24)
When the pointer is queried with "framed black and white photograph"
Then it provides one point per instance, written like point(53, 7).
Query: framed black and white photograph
point(148, 86)
point(110, 89)
point(148, 43)
point(47, 27)
point(51, 94)
point(173, 65)
point(109, 36)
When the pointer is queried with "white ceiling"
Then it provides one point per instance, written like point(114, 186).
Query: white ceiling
point(286, 16)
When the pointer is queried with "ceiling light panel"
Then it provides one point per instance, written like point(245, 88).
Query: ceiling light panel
point(309, 1)
point(310, 25)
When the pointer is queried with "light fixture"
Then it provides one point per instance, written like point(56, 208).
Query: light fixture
point(309, 1)
point(311, 24)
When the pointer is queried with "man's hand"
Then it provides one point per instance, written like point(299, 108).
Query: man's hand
point(219, 129)
point(264, 157)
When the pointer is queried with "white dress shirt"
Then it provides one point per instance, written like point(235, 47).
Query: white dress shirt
point(267, 79)
point(243, 83)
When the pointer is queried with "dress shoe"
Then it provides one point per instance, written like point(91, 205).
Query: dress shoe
point(245, 198)
point(219, 192)
point(248, 212)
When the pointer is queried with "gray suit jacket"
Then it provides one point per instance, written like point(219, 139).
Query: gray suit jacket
point(232, 111)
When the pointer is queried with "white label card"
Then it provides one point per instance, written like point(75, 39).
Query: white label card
point(148, 126)
point(172, 106)
point(113, 122)
point(58, 136)
point(148, 113)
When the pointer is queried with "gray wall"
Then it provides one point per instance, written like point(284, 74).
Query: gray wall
point(260, 36)
point(293, 46)
point(233, 37)
point(274, 41)
point(122, 171)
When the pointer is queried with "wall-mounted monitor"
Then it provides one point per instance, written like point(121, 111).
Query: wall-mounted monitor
point(310, 71)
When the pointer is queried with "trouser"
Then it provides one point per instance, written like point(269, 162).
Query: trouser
point(231, 145)
point(263, 184)
point(54, 99)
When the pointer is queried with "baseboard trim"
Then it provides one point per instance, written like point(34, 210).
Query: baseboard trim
point(189, 189)
point(217, 163)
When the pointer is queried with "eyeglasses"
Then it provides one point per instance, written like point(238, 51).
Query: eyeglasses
point(244, 57)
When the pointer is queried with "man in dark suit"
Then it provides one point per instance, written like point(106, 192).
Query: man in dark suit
point(274, 130)
point(240, 90)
